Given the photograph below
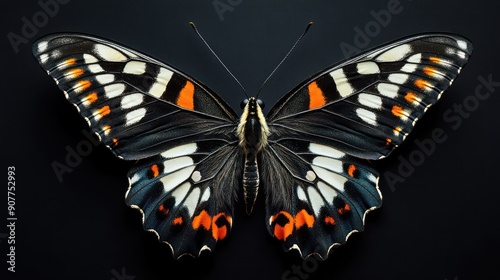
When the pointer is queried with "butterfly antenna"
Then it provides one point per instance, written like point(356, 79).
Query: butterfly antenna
point(216, 56)
point(287, 54)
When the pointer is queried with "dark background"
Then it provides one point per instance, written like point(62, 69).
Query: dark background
point(439, 221)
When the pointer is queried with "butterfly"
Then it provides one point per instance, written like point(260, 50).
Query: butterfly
point(310, 156)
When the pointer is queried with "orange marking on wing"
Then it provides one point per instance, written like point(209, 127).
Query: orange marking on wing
point(344, 209)
point(186, 96)
point(155, 170)
point(303, 218)
point(435, 59)
point(430, 71)
point(422, 84)
point(74, 73)
point(106, 129)
point(411, 97)
point(316, 97)
point(115, 141)
point(397, 130)
point(82, 85)
point(282, 232)
point(351, 170)
point(178, 221)
point(388, 141)
point(203, 219)
point(329, 220)
point(397, 111)
point(220, 232)
point(69, 61)
point(91, 98)
point(104, 111)
point(162, 209)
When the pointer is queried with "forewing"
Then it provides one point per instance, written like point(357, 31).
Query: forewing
point(367, 105)
point(136, 105)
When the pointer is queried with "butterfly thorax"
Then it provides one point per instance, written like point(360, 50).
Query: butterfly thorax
point(252, 132)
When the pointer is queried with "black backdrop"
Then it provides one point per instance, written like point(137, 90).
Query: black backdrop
point(439, 219)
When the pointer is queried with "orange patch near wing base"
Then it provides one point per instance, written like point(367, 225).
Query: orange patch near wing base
point(163, 210)
point(329, 220)
point(303, 218)
point(316, 97)
point(203, 219)
point(351, 170)
point(186, 96)
point(178, 221)
point(344, 210)
point(219, 233)
point(282, 232)
point(155, 170)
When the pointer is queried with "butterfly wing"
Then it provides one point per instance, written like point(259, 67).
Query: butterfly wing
point(181, 133)
point(323, 131)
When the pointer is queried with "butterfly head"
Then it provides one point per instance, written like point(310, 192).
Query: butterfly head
point(252, 104)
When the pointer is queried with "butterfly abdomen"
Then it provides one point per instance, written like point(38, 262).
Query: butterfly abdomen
point(251, 180)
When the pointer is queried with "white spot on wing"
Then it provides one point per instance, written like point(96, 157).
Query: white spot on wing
point(132, 100)
point(341, 82)
point(174, 179)
point(325, 150)
point(181, 150)
point(114, 90)
point(416, 58)
point(206, 195)
point(196, 176)
point(174, 164)
point(108, 53)
point(310, 176)
point(370, 100)
point(367, 67)
point(328, 163)
point(398, 78)
point(316, 200)
point(135, 68)
point(462, 44)
point(135, 116)
point(42, 46)
point(105, 79)
point(409, 68)
point(333, 179)
point(44, 57)
point(388, 90)
point(301, 194)
point(158, 88)
point(95, 68)
point(89, 59)
point(192, 201)
point(395, 54)
point(367, 116)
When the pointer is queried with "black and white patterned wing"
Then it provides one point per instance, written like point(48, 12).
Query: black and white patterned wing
point(323, 131)
point(181, 132)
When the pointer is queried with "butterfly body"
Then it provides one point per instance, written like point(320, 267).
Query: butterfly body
point(253, 132)
point(308, 156)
